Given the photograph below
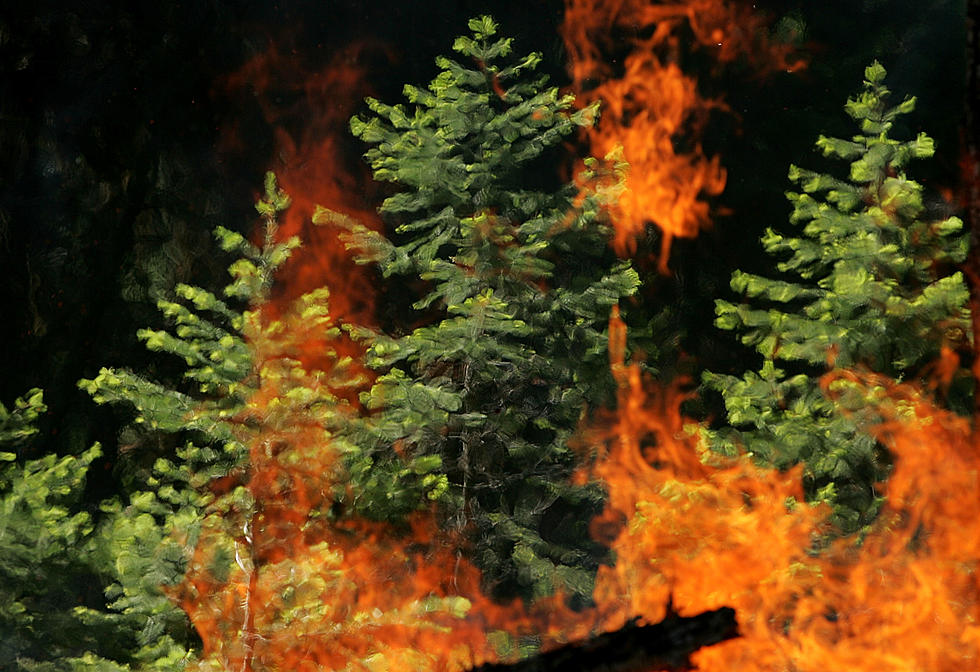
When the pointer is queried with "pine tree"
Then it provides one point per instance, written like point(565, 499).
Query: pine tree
point(151, 540)
point(862, 286)
point(475, 409)
point(210, 336)
point(50, 618)
point(259, 469)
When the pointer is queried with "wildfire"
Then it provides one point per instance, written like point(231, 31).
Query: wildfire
point(311, 591)
point(307, 113)
point(720, 532)
point(627, 55)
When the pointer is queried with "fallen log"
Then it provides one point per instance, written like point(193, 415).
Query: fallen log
point(666, 645)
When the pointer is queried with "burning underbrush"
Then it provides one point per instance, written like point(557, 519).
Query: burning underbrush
point(688, 528)
point(313, 589)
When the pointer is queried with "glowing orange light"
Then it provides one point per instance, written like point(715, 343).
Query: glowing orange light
point(625, 54)
point(307, 112)
point(310, 589)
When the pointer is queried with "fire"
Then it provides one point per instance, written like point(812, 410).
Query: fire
point(306, 109)
point(316, 163)
point(652, 108)
point(718, 532)
point(696, 530)
point(703, 531)
point(309, 589)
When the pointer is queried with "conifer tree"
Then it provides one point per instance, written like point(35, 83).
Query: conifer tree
point(255, 413)
point(151, 540)
point(49, 617)
point(209, 334)
point(475, 408)
point(865, 284)
point(238, 532)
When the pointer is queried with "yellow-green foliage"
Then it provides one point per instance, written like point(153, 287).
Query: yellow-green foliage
point(863, 285)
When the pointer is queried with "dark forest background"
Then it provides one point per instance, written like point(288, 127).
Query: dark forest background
point(120, 151)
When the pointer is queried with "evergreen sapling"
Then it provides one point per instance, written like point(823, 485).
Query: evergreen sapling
point(51, 609)
point(864, 284)
point(475, 408)
point(259, 462)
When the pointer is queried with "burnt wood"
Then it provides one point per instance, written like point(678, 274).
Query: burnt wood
point(666, 645)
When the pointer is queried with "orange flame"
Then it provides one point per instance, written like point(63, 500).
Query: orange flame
point(316, 163)
point(653, 109)
point(718, 532)
point(701, 530)
point(307, 590)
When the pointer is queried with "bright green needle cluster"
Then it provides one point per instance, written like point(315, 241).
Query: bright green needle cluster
point(475, 408)
point(863, 284)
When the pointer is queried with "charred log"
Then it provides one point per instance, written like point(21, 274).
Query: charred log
point(667, 645)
